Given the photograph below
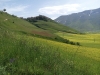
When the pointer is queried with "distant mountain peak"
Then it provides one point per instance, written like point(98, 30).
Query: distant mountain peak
point(86, 21)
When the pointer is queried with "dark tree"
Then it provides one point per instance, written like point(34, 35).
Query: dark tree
point(4, 10)
point(40, 17)
point(78, 43)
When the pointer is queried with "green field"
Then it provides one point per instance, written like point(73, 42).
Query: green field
point(86, 40)
point(23, 53)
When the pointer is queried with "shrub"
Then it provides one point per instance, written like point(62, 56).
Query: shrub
point(67, 41)
point(78, 43)
point(72, 43)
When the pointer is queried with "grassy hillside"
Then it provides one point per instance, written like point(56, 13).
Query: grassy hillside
point(27, 55)
point(14, 24)
point(46, 23)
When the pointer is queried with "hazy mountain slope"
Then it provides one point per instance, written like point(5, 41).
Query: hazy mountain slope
point(86, 21)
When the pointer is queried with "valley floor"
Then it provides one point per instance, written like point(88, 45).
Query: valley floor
point(86, 40)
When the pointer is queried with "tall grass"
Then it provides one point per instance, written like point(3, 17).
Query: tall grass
point(26, 55)
point(23, 56)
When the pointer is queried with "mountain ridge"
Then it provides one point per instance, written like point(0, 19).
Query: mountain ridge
point(86, 21)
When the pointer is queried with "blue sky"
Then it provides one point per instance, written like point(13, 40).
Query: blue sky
point(50, 8)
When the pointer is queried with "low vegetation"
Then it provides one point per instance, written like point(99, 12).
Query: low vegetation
point(30, 56)
point(21, 54)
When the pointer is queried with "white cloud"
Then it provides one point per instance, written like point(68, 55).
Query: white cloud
point(61, 9)
point(15, 9)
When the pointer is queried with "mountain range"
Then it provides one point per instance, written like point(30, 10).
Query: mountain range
point(86, 21)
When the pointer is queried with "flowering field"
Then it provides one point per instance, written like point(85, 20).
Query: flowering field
point(28, 55)
point(87, 40)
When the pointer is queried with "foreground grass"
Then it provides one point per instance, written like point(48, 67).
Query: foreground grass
point(27, 55)
point(24, 55)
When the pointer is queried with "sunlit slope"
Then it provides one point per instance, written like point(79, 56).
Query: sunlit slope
point(87, 40)
point(34, 55)
point(80, 50)
point(53, 26)
point(85, 59)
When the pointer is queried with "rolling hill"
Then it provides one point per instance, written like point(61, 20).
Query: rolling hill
point(86, 21)
point(43, 28)
point(48, 24)
point(15, 24)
